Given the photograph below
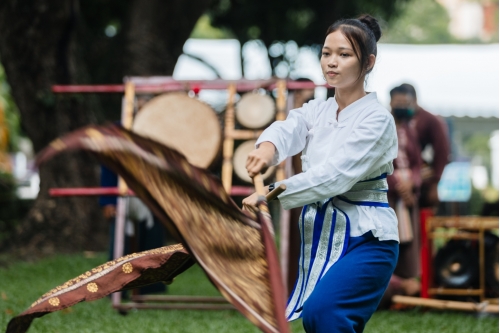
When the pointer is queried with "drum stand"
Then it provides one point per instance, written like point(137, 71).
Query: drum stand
point(155, 85)
point(454, 227)
point(231, 134)
point(149, 301)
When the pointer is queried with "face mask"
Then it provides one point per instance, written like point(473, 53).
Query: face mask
point(403, 114)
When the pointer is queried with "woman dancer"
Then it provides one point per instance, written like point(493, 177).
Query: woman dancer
point(349, 235)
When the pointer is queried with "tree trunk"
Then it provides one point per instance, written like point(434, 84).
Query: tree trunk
point(38, 48)
point(158, 31)
point(44, 43)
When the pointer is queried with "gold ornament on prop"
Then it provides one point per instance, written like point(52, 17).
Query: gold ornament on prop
point(54, 301)
point(58, 144)
point(92, 287)
point(127, 268)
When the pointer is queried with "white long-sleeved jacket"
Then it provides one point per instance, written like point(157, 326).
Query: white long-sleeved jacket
point(336, 155)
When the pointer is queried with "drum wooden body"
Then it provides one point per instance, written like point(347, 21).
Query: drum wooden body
point(184, 123)
point(240, 159)
point(255, 110)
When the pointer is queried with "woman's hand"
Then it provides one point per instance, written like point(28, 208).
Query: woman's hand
point(260, 159)
point(250, 202)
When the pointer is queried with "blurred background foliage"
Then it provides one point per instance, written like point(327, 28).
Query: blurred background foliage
point(204, 30)
point(10, 112)
point(11, 207)
point(419, 22)
point(476, 147)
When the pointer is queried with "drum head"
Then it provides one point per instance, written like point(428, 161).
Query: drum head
point(255, 110)
point(183, 123)
point(240, 159)
point(456, 264)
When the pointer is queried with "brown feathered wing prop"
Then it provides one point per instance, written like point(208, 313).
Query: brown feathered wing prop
point(236, 252)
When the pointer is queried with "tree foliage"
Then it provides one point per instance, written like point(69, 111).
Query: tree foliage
point(302, 21)
point(10, 113)
point(419, 22)
point(204, 30)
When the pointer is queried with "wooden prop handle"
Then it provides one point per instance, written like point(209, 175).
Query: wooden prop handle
point(274, 193)
point(271, 196)
point(259, 184)
point(259, 188)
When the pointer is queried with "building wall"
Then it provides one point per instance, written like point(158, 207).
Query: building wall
point(472, 19)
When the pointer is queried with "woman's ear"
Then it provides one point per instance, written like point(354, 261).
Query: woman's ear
point(370, 62)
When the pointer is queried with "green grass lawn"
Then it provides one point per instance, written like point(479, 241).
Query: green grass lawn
point(21, 283)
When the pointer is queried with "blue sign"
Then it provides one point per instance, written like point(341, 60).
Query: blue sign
point(455, 184)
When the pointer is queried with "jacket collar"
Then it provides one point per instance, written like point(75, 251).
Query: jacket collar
point(353, 108)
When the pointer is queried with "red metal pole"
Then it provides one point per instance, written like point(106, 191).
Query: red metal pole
point(241, 85)
point(114, 191)
point(425, 253)
point(86, 191)
point(103, 88)
point(242, 190)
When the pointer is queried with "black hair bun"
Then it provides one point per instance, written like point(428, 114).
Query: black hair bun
point(372, 24)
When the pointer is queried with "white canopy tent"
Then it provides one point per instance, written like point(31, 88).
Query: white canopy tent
point(451, 80)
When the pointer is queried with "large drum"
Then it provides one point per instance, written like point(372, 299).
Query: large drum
point(184, 123)
point(255, 110)
point(240, 159)
point(456, 265)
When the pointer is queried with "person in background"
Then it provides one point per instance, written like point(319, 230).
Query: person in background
point(404, 187)
point(108, 206)
point(142, 231)
point(432, 136)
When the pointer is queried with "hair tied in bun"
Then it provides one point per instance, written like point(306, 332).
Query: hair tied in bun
point(372, 24)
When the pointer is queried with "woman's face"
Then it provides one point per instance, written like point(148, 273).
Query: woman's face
point(339, 63)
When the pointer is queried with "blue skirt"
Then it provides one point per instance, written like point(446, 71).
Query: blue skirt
point(348, 294)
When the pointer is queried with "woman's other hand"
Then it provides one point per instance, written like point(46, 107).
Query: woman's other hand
point(109, 211)
point(260, 159)
point(405, 190)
